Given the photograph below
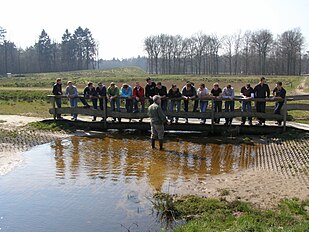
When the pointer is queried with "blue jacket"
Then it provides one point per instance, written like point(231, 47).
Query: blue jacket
point(126, 92)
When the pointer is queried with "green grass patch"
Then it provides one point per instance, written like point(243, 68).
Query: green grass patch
point(33, 108)
point(203, 214)
point(50, 126)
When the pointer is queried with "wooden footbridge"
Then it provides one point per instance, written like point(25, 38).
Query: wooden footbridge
point(140, 120)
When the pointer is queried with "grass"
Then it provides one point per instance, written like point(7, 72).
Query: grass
point(203, 214)
point(50, 126)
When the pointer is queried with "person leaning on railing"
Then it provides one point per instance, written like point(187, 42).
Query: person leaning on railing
point(150, 90)
point(174, 96)
point(57, 91)
point(216, 93)
point(113, 96)
point(188, 93)
point(279, 94)
point(72, 94)
point(162, 92)
point(247, 93)
point(229, 105)
point(126, 92)
point(138, 96)
point(91, 93)
point(101, 93)
point(261, 90)
point(202, 94)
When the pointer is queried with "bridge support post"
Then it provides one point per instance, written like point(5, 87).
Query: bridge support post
point(105, 112)
point(285, 112)
point(53, 102)
point(212, 116)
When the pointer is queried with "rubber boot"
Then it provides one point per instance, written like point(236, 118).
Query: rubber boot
point(161, 144)
point(153, 143)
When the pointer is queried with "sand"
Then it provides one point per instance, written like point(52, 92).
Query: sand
point(263, 188)
point(15, 139)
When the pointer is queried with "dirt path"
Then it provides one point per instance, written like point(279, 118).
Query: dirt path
point(301, 89)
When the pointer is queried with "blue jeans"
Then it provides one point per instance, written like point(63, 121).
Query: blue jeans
point(277, 110)
point(217, 108)
point(135, 105)
point(203, 106)
point(129, 105)
point(73, 104)
point(246, 107)
point(175, 104)
point(229, 107)
point(117, 102)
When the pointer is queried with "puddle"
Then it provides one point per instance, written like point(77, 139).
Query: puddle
point(104, 184)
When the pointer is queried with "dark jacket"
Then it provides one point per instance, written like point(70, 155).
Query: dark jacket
point(150, 90)
point(161, 92)
point(174, 94)
point(261, 91)
point(57, 89)
point(101, 91)
point(279, 93)
point(188, 93)
point(90, 92)
point(246, 92)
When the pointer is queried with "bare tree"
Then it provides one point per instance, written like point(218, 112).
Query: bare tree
point(262, 40)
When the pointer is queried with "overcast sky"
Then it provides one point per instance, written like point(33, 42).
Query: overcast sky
point(120, 26)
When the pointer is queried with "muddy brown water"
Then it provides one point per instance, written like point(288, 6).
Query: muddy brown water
point(105, 183)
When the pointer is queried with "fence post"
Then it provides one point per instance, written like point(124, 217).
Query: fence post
point(285, 112)
point(53, 102)
point(212, 116)
point(105, 112)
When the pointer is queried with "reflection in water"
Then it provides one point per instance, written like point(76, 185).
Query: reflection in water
point(131, 158)
point(104, 184)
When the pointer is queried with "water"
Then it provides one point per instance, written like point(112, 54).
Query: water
point(104, 184)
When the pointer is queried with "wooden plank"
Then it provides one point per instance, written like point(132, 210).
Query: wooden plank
point(298, 107)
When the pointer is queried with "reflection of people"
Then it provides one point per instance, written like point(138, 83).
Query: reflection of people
point(57, 91)
point(229, 104)
point(72, 94)
point(247, 93)
point(279, 94)
point(157, 120)
point(261, 90)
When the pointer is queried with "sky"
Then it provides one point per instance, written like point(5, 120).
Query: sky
point(120, 26)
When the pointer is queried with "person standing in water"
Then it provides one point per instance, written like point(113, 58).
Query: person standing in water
point(157, 120)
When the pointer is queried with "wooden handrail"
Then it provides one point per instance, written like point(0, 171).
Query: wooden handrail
point(210, 114)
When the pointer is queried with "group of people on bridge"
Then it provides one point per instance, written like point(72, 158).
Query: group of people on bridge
point(135, 97)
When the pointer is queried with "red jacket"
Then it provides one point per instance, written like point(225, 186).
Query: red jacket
point(139, 93)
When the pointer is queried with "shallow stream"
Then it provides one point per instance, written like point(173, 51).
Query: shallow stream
point(105, 183)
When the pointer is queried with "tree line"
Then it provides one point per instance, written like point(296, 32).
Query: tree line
point(76, 51)
point(249, 53)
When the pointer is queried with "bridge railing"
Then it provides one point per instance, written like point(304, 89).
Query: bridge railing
point(290, 103)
